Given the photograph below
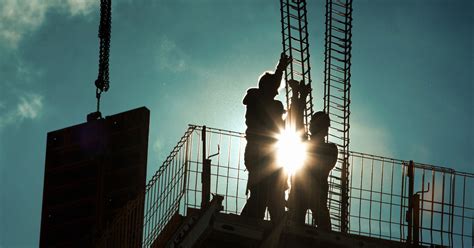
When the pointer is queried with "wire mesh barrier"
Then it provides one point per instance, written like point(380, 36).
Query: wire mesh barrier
point(155, 206)
point(389, 198)
point(384, 205)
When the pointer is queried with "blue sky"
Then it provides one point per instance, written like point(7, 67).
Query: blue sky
point(191, 61)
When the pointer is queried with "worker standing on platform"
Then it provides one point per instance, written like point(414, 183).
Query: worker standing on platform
point(264, 119)
point(309, 187)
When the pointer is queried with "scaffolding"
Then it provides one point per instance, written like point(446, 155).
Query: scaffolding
point(381, 194)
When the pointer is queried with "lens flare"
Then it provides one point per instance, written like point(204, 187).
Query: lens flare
point(291, 151)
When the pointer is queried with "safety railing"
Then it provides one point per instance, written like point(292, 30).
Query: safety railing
point(384, 202)
point(410, 202)
point(153, 209)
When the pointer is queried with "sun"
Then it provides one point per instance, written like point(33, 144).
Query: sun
point(291, 150)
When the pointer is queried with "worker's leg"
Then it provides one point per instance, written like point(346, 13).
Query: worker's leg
point(325, 220)
point(297, 204)
point(256, 204)
point(276, 186)
point(321, 211)
point(298, 214)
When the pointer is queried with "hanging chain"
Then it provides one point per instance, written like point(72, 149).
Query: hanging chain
point(102, 82)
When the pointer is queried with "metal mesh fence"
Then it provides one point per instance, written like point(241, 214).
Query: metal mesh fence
point(379, 194)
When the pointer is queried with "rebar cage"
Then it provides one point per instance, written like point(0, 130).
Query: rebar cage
point(380, 195)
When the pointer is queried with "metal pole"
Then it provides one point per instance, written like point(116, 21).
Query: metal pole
point(344, 194)
point(206, 173)
point(409, 216)
point(416, 219)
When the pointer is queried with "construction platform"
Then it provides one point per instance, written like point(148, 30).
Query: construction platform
point(393, 203)
point(210, 228)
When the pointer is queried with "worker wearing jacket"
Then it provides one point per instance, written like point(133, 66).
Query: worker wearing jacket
point(264, 119)
point(309, 188)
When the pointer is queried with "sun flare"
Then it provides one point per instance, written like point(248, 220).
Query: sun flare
point(291, 151)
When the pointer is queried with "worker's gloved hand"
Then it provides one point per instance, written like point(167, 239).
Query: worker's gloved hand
point(285, 60)
point(304, 90)
point(294, 85)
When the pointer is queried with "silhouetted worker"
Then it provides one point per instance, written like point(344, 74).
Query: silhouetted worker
point(264, 119)
point(310, 184)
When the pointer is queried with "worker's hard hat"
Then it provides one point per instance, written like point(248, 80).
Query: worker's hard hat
point(319, 120)
point(269, 82)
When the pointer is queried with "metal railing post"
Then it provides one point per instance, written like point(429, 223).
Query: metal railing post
point(409, 214)
point(416, 219)
point(206, 173)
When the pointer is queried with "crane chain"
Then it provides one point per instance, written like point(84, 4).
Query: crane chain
point(102, 83)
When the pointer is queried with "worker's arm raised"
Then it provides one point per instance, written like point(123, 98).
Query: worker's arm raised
point(285, 60)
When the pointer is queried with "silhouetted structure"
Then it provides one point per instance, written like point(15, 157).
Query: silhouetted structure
point(379, 194)
point(375, 205)
point(92, 170)
point(337, 100)
point(295, 43)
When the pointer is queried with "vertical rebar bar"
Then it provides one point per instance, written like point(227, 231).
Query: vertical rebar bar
point(337, 64)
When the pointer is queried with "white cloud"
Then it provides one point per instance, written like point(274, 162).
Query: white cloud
point(157, 146)
point(21, 17)
point(170, 56)
point(81, 7)
point(29, 106)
